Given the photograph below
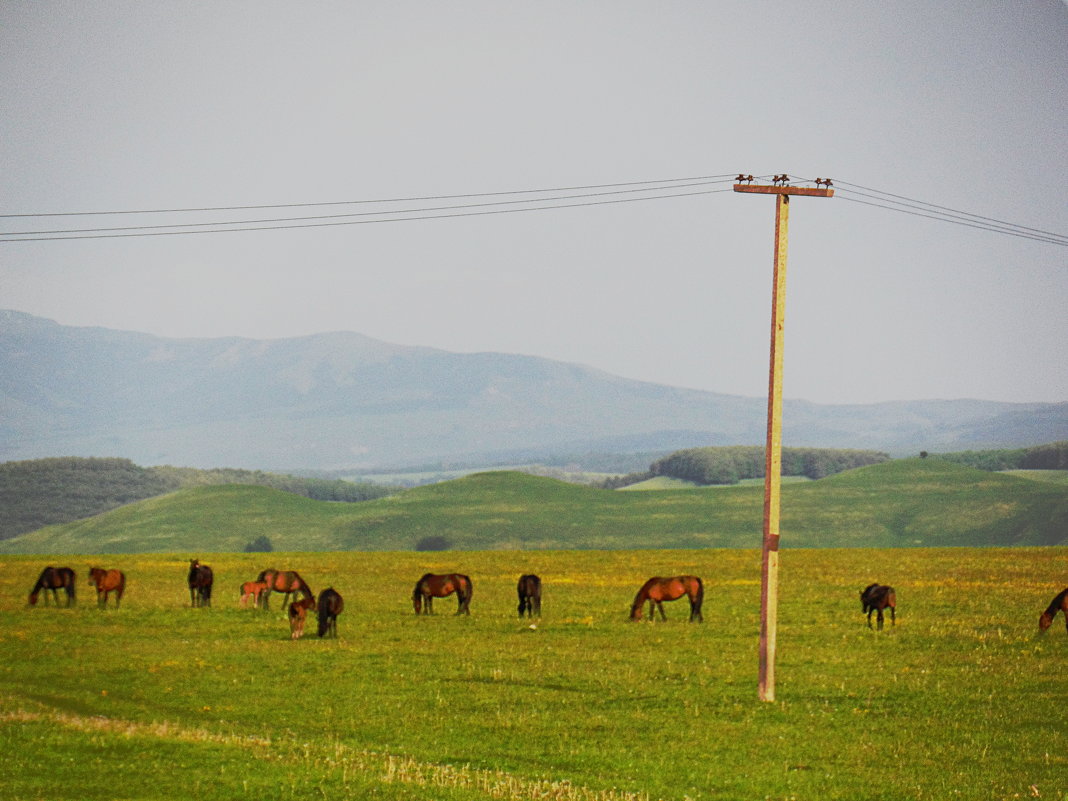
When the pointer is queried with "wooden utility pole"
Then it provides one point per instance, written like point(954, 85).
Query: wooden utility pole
point(769, 570)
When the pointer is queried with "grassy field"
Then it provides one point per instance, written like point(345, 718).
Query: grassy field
point(907, 502)
point(961, 700)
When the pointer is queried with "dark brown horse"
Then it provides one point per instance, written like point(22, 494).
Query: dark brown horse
point(200, 580)
point(659, 589)
point(284, 581)
point(330, 605)
point(529, 590)
point(876, 598)
point(432, 586)
point(54, 578)
point(1058, 604)
point(298, 613)
point(107, 582)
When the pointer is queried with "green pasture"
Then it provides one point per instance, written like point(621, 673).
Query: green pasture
point(907, 502)
point(963, 699)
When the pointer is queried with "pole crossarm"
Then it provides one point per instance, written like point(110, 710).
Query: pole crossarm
point(764, 189)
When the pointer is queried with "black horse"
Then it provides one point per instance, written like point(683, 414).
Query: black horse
point(200, 580)
point(529, 590)
point(876, 598)
point(330, 605)
point(54, 578)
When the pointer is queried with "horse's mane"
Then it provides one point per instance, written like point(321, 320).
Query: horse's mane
point(1057, 603)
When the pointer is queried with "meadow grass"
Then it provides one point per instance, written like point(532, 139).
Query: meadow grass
point(906, 502)
point(962, 699)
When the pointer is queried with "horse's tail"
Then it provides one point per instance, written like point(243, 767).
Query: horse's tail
point(699, 596)
point(324, 611)
point(70, 581)
point(466, 589)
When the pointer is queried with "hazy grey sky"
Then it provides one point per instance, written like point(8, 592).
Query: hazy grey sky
point(131, 105)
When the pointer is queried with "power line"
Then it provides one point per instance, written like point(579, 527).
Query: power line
point(945, 214)
point(1054, 239)
point(364, 222)
point(347, 215)
point(660, 189)
point(413, 199)
point(955, 211)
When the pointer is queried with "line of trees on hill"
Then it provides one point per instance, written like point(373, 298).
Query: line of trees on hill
point(1053, 456)
point(42, 492)
point(729, 465)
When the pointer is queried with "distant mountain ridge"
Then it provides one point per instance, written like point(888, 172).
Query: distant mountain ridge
point(339, 400)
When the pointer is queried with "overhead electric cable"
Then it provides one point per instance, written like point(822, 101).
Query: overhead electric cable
point(1053, 239)
point(368, 222)
point(350, 214)
point(380, 200)
point(956, 211)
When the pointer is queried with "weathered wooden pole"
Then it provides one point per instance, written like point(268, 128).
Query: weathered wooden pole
point(769, 570)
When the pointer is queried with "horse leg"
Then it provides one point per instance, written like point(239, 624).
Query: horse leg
point(893, 616)
point(660, 606)
point(880, 618)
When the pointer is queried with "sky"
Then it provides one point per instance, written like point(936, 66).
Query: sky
point(121, 106)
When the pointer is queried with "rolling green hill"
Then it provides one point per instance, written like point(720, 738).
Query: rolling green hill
point(907, 502)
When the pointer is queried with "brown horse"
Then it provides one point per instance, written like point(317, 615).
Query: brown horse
point(876, 598)
point(284, 581)
point(298, 613)
point(1058, 604)
point(529, 591)
point(659, 589)
point(107, 582)
point(200, 580)
point(330, 605)
point(253, 590)
point(54, 578)
point(432, 586)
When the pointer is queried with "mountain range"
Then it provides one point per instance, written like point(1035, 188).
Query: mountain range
point(344, 400)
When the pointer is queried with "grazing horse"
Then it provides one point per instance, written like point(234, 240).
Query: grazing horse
point(284, 581)
point(253, 590)
point(659, 589)
point(529, 590)
point(54, 578)
point(1059, 604)
point(200, 580)
point(432, 586)
point(298, 613)
point(330, 606)
point(876, 598)
point(107, 582)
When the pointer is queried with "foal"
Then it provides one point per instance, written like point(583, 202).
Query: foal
point(298, 613)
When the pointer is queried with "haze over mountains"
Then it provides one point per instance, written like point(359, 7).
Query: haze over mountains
point(344, 400)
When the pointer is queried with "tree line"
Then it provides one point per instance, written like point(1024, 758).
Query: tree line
point(43, 492)
point(1053, 456)
point(731, 464)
